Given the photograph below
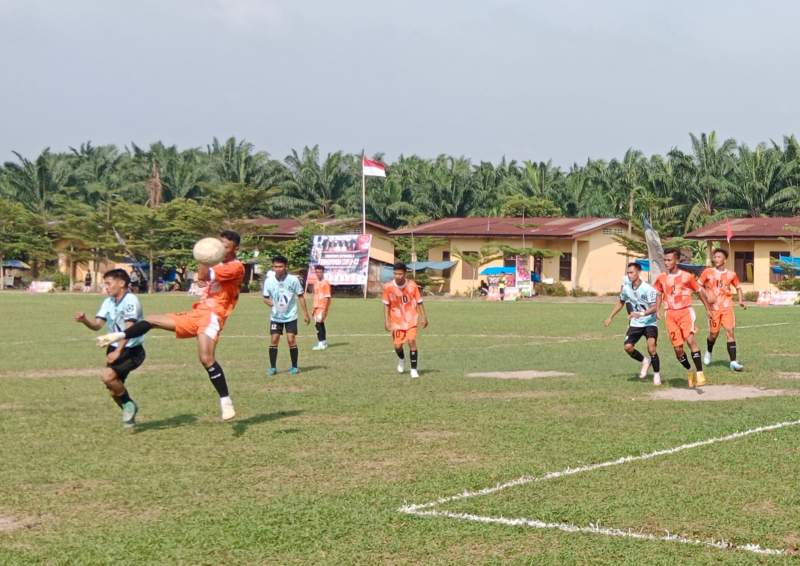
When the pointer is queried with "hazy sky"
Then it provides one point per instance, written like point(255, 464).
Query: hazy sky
point(526, 79)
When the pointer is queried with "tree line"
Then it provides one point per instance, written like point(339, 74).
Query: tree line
point(158, 198)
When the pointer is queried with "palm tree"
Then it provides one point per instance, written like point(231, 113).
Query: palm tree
point(35, 184)
point(313, 186)
point(762, 183)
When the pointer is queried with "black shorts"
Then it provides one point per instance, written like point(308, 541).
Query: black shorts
point(128, 360)
point(278, 327)
point(634, 333)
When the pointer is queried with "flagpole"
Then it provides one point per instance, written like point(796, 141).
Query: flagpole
point(363, 197)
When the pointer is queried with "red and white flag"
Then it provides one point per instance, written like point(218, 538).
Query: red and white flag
point(728, 231)
point(372, 168)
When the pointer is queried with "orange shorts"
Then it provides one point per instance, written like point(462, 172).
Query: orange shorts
point(680, 324)
point(402, 336)
point(722, 319)
point(197, 322)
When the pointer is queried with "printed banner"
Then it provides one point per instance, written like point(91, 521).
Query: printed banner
point(345, 257)
point(524, 277)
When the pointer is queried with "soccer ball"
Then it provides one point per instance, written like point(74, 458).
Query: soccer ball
point(209, 251)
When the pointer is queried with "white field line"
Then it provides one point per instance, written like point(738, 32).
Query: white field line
point(428, 509)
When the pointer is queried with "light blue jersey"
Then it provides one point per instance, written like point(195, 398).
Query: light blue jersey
point(640, 299)
point(284, 295)
point(116, 314)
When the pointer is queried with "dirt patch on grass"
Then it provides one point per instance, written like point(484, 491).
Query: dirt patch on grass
point(503, 395)
point(93, 372)
point(717, 393)
point(524, 374)
point(789, 375)
point(9, 407)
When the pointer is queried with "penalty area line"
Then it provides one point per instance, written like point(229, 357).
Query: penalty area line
point(429, 509)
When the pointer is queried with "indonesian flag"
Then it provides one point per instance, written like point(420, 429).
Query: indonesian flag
point(728, 231)
point(372, 168)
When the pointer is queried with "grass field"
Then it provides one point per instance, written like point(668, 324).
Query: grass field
point(316, 466)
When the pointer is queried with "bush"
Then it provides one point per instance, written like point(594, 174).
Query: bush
point(553, 290)
point(751, 296)
point(581, 292)
point(60, 280)
point(792, 284)
point(254, 286)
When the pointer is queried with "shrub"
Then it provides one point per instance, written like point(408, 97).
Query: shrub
point(751, 296)
point(792, 284)
point(254, 286)
point(581, 292)
point(553, 290)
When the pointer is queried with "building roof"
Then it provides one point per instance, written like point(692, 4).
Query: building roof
point(478, 226)
point(749, 229)
point(289, 227)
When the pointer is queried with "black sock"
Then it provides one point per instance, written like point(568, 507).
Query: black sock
point(698, 361)
point(293, 355)
point(117, 401)
point(636, 355)
point(710, 343)
point(684, 361)
point(400, 353)
point(138, 329)
point(273, 356)
point(732, 350)
point(655, 362)
point(413, 359)
point(124, 398)
point(217, 377)
point(321, 335)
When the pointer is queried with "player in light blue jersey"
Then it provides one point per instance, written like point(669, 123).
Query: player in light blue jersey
point(640, 299)
point(282, 293)
point(119, 311)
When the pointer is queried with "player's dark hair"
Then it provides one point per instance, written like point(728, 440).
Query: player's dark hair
point(636, 265)
point(400, 266)
point(721, 251)
point(118, 274)
point(320, 267)
point(280, 259)
point(231, 236)
point(675, 251)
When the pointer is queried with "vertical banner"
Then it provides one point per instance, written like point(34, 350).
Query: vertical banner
point(345, 257)
point(524, 277)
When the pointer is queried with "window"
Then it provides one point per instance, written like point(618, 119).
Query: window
point(776, 277)
point(510, 261)
point(467, 273)
point(565, 267)
point(613, 231)
point(743, 266)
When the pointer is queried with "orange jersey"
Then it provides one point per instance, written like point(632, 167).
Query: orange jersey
point(322, 294)
point(222, 291)
point(719, 285)
point(676, 289)
point(402, 303)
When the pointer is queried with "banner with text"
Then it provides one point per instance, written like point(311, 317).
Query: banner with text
point(345, 257)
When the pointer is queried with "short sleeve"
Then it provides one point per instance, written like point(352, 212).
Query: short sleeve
point(658, 285)
point(652, 295)
point(703, 277)
point(386, 296)
point(265, 288)
point(692, 283)
point(103, 312)
point(298, 288)
point(228, 271)
point(417, 294)
point(326, 290)
point(735, 280)
point(131, 309)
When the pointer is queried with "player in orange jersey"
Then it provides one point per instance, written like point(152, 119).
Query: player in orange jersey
point(322, 304)
point(402, 314)
point(676, 288)
point(220, 285)
point(718, 281)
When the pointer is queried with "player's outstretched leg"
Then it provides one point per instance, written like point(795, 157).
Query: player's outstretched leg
point(631, 350)
point(655, 362)
point(684, 361)
point(205, 352)
point(140, 328)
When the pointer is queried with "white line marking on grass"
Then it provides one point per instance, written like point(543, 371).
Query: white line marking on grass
point(429, 509)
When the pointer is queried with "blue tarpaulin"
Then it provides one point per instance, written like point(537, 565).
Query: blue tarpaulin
point(499, 271)
point(788, 263)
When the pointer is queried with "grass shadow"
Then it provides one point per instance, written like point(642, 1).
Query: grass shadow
point(678, 382)
point(241, 426)
point(161, 424)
